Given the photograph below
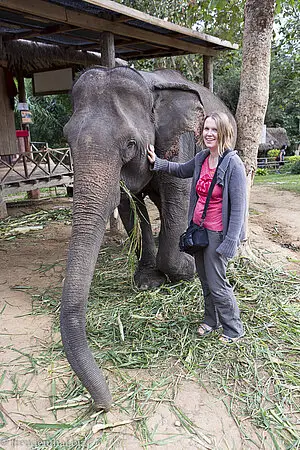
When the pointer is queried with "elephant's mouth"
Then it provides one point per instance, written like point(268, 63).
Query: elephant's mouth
point(136, 175)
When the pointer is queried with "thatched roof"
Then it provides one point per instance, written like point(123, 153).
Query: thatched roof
point(278, 136)
point(275, 138)
point(29, 57)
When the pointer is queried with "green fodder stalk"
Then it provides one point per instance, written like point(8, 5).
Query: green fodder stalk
point(134, 242)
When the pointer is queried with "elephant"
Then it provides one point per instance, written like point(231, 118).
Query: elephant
point(117, 113)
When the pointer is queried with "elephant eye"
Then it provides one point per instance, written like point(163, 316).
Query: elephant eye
point(131, 143)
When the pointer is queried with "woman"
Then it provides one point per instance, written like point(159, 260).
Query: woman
point(225, 220)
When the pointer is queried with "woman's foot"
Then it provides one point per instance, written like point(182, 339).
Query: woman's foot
point(227, 340)
point(205, 329)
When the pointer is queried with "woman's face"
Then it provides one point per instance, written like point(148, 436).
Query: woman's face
point(210, 134)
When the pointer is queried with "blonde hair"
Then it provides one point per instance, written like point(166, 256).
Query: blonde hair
point(224, 130)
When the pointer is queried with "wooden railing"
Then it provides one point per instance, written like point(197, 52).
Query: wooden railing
point(267, 163)
point(37, 164)
point(272, 165)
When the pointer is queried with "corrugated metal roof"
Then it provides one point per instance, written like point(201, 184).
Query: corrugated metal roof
point(85, 6)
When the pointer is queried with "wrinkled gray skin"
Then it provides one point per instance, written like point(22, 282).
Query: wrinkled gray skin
point(117, 113)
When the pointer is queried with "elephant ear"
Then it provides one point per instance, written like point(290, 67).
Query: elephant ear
point(179, 106)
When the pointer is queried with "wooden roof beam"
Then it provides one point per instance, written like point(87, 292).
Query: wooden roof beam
point(133, 43)
point(151, 54)
point(122, 19)
point(53, 29)
point(40, 8)
point(95, 43)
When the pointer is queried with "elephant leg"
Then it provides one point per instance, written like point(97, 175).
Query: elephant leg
point(146, 274)
point(173, 195)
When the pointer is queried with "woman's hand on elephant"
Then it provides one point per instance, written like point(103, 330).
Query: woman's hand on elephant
point(151, 154)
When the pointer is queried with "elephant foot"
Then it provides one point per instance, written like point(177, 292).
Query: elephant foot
point(149, 277)
point(182, 269)
point(174, 278)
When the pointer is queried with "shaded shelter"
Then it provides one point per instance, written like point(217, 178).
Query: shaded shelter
point(84, 25)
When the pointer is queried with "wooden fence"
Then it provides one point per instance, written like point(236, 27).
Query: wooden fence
point(40, 167)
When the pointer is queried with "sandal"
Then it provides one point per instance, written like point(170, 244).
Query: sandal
point(205, 329)
point(229, 340)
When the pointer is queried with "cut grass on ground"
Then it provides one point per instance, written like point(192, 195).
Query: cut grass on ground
point(156, 330)
point(281, 181)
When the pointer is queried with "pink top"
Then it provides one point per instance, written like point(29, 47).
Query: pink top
point(213, 220)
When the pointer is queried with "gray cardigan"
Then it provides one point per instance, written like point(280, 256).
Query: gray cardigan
point(232, 177)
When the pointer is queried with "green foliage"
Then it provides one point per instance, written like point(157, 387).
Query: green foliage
point(215, 17)
point(227, 72)
point(293, 158)
point(261, 172)
point(273, 153)
point(287, 26)
point(284, 100)
point(284, 106)
point(295, 169)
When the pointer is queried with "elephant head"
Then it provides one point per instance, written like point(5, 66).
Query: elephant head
point(116, 114)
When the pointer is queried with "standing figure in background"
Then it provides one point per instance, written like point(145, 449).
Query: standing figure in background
point(225, 220)
point(282, 154)
point(280, 158)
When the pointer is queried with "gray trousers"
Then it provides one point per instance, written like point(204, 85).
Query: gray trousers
point(220, 306)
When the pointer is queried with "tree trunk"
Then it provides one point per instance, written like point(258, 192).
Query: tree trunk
point(254, 89)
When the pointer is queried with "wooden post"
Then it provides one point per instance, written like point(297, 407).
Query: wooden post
point(35, 193)
point(208, 72)
point(108, 60)
point(7, 122)
point(21, 88)
point(108, 49)
point(8, 146)
point(3, 208)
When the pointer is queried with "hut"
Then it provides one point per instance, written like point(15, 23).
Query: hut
point(275, 138)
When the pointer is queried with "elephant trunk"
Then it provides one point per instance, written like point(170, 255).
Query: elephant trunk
point(96, 190)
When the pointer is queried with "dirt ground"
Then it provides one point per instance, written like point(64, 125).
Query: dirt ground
point(275, 226)
point(274, 235)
